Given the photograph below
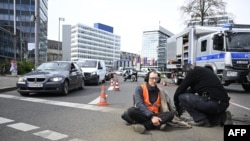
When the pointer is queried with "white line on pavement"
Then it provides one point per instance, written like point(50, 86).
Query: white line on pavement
point(23, 126)
point(235, 104)
point(67, 104)
point(5, 120)
point(51, 135)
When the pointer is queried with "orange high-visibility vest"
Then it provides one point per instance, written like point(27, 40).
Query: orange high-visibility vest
point(155, 107)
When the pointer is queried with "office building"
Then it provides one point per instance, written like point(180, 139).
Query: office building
point(153, 52)
point(17, 32)
point(217, 20)
point(98, 42)
point(128, 60)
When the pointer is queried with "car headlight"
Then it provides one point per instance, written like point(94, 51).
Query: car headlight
point(55, 79)
point(94, 73)
point(21, 79)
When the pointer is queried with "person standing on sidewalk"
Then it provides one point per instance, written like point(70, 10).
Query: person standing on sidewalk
point(146, 113)
point(203, 96)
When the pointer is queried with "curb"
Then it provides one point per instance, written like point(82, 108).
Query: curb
point(8, 89)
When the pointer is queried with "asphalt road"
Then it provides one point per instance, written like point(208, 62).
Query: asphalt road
point(77, 116)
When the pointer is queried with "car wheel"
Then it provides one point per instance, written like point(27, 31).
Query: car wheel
point(246, 87)
point(133, 78)
point(24, 94)
point(81, 87)
point(103, 81)
point(97, 81)
point(65, 87)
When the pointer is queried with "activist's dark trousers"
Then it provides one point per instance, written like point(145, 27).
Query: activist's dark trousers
point(139, 117)
point(201, 108)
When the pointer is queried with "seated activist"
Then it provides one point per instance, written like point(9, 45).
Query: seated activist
point(203, 96)
point(150, 110)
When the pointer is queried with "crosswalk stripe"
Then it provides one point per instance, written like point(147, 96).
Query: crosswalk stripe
point(5, 120)
point(23, 126)
point(51, 135)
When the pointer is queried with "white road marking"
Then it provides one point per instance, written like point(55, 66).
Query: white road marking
point(111, 88)
point(23, 126)
point(77, 140)
point(67, 104)
point(95, 101)
point(243, 107)
point(51, 135)
point(5, 120)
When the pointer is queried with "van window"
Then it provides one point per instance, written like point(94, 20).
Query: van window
point(204, 46)
point(87, 63)
point(99, 65)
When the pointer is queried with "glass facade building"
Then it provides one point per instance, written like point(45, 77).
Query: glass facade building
point(23, 24)
point(153, 52)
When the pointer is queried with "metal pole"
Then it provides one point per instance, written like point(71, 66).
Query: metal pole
point(14, 3)
point(37, 26)
point(113, 65)
point(58, 48)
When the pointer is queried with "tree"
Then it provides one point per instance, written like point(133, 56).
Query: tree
point(199, 9)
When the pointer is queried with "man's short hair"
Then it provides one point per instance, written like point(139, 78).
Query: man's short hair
point(187, 67)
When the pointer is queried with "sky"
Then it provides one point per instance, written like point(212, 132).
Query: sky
point(129, 18)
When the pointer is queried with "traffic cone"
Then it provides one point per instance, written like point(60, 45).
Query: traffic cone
point(111, 82)
point(116, 87)
point(103, 101)
point(164, 83)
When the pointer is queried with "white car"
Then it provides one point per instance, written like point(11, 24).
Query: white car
point(118, 72)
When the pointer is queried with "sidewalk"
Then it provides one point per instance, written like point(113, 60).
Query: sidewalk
point(7, 83)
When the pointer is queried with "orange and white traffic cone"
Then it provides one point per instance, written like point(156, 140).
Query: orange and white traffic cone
point(164, 83)
point(103, 100)
point(111, 82)
point(116, 87)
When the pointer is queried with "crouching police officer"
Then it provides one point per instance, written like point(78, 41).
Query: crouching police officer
point(203, 96)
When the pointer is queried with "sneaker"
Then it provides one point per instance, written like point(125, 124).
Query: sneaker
point(162, 127)
point(203, 123)
point(139, 128)
point(228, 118)
point(125, 117)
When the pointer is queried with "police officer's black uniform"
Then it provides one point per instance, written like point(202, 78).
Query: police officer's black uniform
point(202, 95)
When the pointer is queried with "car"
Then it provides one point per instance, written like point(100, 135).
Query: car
point(118, 72)
point(109, 74)
point(144, 71)
point(94, 70)
point(52, 77)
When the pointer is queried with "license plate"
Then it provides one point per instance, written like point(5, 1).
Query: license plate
point(35, 85)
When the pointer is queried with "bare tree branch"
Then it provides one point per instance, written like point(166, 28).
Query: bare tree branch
point(199, 9)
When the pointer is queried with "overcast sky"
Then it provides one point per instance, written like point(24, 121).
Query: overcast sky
point(129, 17)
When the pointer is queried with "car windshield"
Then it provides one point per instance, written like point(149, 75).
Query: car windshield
point(53, 66)
point(87, 63)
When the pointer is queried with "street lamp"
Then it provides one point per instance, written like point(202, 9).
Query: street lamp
point(14, 7)
point(60, 19)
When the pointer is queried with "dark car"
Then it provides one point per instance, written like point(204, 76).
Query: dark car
point(52, 77)
point(109, 74)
